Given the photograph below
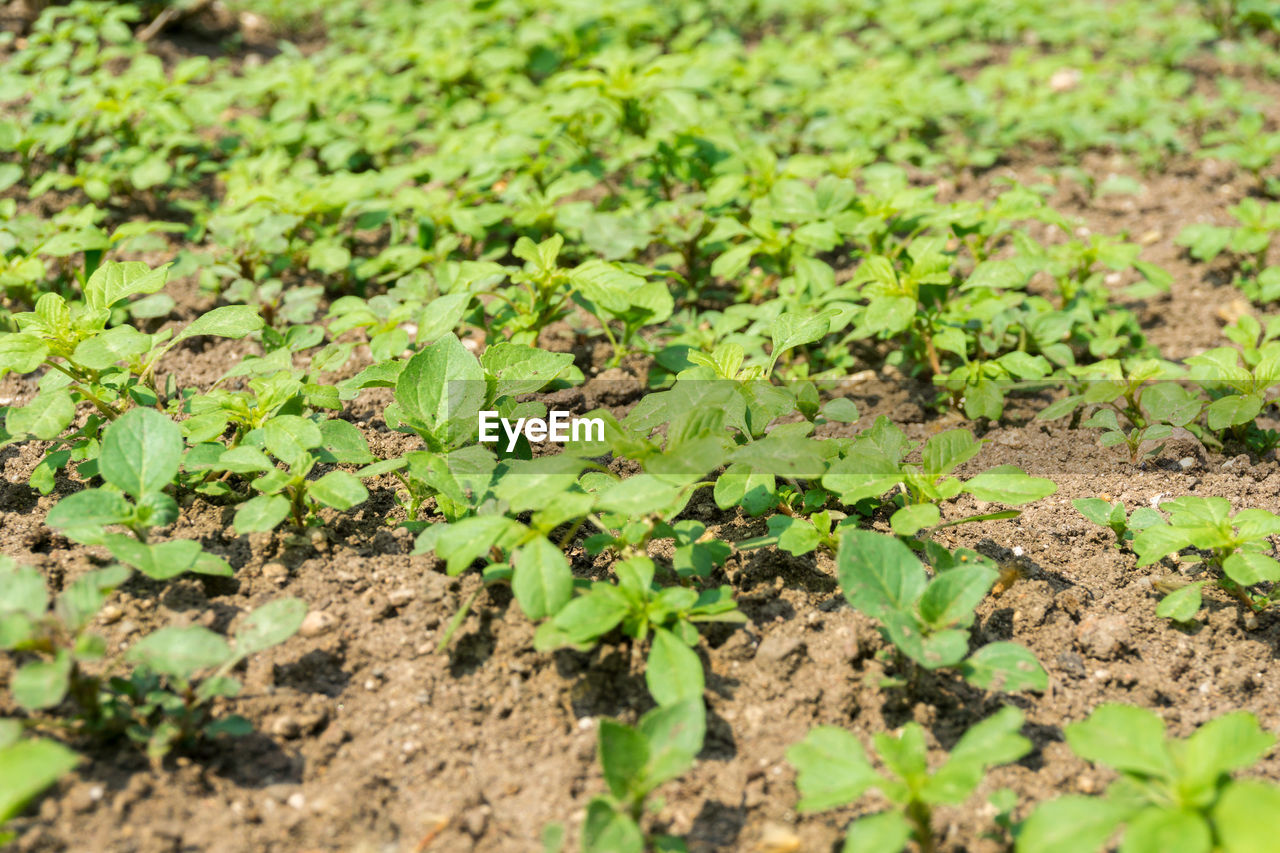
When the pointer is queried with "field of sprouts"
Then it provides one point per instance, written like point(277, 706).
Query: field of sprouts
point(620, 426)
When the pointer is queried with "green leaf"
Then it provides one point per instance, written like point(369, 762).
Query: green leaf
point(338, 490)
point(27, 768)
point(229, 321)
point(42, 684)
point(441, 390)
point(624, 752)
point(88, 511)
point(181, 652)
point(43, 418)
point(141, 452)
point(1010, 485)
point(122, 343)
point(607, 830)
point(1071, 824)
point(1159, 830)
point(22, 589)
point(114, 281)
point(290, 438)
point(21, 353)
point(1004, 666)
point(841, 410)
point(946, 450)
point(1233, 410)
point(886, 832)
point(1095, 509)
point(159, 561)
point(1124, 737)
point(673, 672)
point(1181, 604)
point(260, 514)
point(342, 442)
point(796, 330)
point(1222, 746)
point(993, 741)
point(1246, 816)
point(543, 582)
point(878, 574)
point(519, 369)
point(675, 734)
point(951, 597)
point(270, 625)
point(1171, 403)
point(1247, 568)
point(832, 769)
point(1155, 542)
point(913, 518)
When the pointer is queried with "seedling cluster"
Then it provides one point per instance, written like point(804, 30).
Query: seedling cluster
point(307, 290)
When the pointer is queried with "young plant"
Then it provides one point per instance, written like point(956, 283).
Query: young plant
point(874, 464)
point(927, 621)
point(832, 770)
point(1112, 514)
point(636, 762)
point(1177, 794)
point(140, 455)
point(1236, 547)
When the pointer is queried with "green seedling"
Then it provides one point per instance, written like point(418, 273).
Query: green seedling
point(926, 620)
point(832, 770)
point(874, 464)
point(300, 444)
point(1171, 794)
point(140, 455)
point(1111, 514)
point(1236, 549)
point(635, 763)
point(27, 767)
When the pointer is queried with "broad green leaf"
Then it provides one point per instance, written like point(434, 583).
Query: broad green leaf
point(624, 752)
point(1159, 830)
point(89, 509)
point(946, 450)
point(951, 597)
point(158, 561)
point(519, 369)
point(1004, 666)
point(673, 671)
point(141, 452)
point(1247, 568)
point(42, 684)
point(229, 321)
point(1123, 737)
point(114, 281)
point(675, 734)
point(796, 330)
point(338, 490)
point(181, 652)
point(43, 418)
point(269, 625)
point(886, 832)
point(1009, 484)
point(1233, 410)
point(878, 574)
point(260, 514)
point(1181, 604)
point(22, 589)
point(21, 353)
point(1222, 746)
point(1159, 540)
point(913, 518)
point(290, 438)
point(440, 391)
point(122, 343)
point(542, 582)
point(1070, 824)
point(1247, 817)
point(607, 830)
point(27, 768)
point(832, 769)
point(993, 741)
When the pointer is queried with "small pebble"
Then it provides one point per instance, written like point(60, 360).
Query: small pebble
point(402, 596)
point(276, 573)
point(111, 614)
point(296, 801)
point(316, 623)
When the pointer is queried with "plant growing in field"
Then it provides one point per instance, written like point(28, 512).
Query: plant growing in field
point(875, 463)
point(927, 620)
point(27, 767)
point(1235, 547)
point(832, 770)
point(1112, 514)
point(636, 761)
point(140, 455)
point(159, 701)
point(1172, 794)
